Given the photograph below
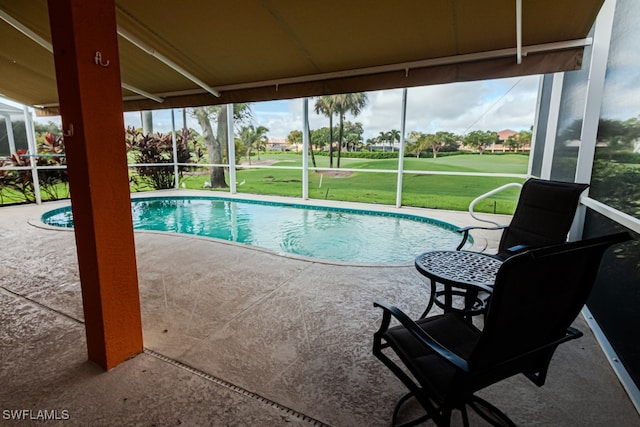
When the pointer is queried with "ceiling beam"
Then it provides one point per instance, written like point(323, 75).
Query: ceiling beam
point(519, 31)
point(142, 92)
point(151, 51)
point(403, 66)
point(24, 30)
point(45, 44)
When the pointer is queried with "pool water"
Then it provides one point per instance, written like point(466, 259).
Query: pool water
point(327, 233)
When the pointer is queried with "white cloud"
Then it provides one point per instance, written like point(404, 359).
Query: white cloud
point(457, 107)
point(460, 107)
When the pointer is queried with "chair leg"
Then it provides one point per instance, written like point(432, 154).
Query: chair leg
point(441, 416)
point(396, 410)
point(420, 420)
point(432, 298)
point(399, 404)
point(465, 416)
point(490, 413)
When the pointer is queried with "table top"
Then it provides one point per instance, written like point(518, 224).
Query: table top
point(459, 267)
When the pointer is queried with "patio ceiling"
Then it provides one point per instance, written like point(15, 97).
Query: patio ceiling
point(189, 53)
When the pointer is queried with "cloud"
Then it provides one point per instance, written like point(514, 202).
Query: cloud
point(457, 107)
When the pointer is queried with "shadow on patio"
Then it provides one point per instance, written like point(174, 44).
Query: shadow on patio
point(239, 336)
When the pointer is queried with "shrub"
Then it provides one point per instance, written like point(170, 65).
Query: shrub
point(51, 153)
point(158, 149)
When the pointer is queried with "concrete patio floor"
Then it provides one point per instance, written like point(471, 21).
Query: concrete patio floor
point(238, 336)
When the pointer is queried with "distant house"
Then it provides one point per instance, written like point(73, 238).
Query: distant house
point(500, 146)
point(277, 144)
point(503, 135)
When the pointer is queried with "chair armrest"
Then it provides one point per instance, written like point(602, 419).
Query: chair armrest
point(419, 334)
point(511, 251)
point(517, 249)
point(539, 377)
point(465, 232)
point(477, 227)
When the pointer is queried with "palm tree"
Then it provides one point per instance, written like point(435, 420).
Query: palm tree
point(394, 135)
point(252, 137)
point(382, 138)
point(262, 140)
point(347, 103)
point(326, 105)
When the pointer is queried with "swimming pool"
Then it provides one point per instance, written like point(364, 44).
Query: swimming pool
point(329, 233)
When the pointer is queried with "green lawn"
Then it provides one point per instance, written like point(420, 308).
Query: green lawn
point(432, 191)
point(503, 163)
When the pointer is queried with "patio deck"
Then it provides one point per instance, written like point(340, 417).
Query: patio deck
point(241, 336)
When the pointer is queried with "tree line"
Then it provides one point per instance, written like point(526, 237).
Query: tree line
point(211, 144)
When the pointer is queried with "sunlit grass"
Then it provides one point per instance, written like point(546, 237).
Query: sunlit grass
point(431, 191)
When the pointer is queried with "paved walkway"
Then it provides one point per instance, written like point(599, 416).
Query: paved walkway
point(241, 336)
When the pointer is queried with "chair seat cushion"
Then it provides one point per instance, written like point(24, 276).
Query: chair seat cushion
point(431, 370)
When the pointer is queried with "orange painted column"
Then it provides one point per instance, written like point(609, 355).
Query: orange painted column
point(85, 47)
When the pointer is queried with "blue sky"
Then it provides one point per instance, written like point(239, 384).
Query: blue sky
point(458, 107)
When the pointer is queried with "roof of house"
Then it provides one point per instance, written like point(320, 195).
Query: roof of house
point(506, 133)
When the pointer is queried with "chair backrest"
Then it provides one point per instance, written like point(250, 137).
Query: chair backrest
point(543, 215)
point(537, 295)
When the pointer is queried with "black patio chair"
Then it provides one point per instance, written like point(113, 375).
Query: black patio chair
point(543, 217)
point(537, 296)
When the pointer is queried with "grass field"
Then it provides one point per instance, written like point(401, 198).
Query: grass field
point(364, 185)
point(433, 191)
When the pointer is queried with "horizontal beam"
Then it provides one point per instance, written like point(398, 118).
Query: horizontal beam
point(403, 66)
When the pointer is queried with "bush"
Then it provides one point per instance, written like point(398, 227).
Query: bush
point(51, 153)
point(618, 156)
point(158, 149)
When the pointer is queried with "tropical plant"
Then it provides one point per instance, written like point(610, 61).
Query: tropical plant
point(251, 137)
point(193, 142)
point(392, 136)
point(157, 148)
point(21, 180)
point(50, 155)
point(382, 139)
